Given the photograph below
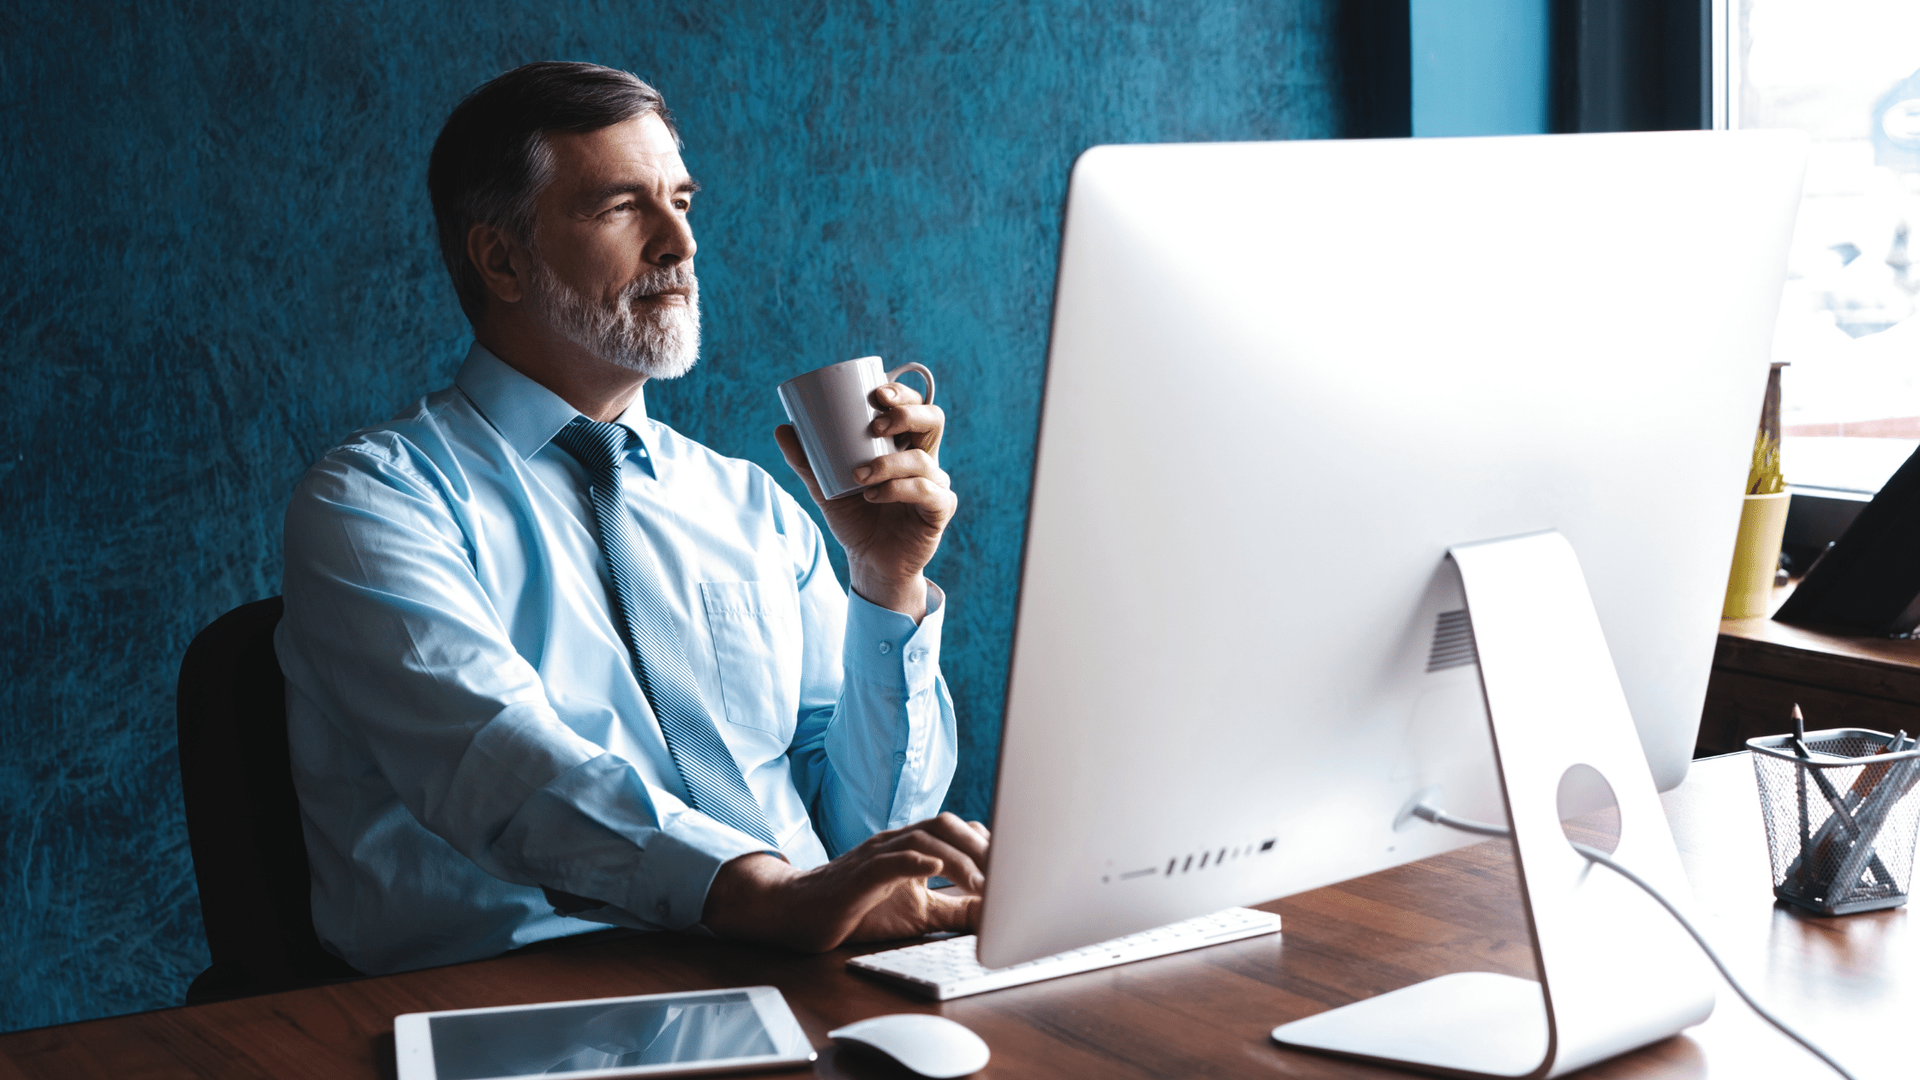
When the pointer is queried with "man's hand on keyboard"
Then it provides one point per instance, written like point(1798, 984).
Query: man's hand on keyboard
point(876, 892)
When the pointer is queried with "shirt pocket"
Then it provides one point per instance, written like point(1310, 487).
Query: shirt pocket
point(756, 647)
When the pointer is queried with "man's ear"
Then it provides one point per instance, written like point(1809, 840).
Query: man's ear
point(501, 261)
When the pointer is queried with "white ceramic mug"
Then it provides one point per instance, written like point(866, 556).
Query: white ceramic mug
point(829, 408)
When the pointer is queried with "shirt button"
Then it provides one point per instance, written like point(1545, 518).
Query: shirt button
point(917, 655)
point(886, 647)
point(661, 907)
point(899, 757)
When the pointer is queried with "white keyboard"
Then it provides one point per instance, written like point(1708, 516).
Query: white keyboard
point(948, 968)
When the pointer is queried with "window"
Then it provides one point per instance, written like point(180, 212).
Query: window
point(1847, 72)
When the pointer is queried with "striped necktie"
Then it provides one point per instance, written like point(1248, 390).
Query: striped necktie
point(712, 777)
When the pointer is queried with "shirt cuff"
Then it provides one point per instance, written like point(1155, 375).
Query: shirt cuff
point(651, 876)
point(887, 649)
point(683, 860)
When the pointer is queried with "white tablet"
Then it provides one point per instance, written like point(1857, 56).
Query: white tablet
point(691, 1034)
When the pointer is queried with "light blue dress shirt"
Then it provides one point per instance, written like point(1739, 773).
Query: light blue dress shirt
point(465, 722)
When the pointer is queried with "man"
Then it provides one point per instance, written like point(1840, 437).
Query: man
point(551, 664)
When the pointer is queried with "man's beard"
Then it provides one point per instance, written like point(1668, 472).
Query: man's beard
point(660, 341)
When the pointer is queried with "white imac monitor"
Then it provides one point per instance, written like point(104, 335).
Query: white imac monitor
point(1286, 378)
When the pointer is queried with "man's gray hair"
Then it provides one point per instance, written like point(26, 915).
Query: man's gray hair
point(492, 158)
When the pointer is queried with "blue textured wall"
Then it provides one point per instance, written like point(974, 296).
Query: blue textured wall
point(219, 259)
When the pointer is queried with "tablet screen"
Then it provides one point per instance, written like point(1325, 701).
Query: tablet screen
point(600, 1035)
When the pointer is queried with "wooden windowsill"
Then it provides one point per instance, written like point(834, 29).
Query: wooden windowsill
point(1841, 678)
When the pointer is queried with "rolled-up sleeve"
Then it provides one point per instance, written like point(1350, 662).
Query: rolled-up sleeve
point(389, 632)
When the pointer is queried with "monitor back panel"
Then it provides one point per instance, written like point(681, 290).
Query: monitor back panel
point(1284, 378)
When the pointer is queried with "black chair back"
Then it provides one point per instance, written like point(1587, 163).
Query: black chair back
point(243, 818)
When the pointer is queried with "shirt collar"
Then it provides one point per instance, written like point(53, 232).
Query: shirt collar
point(526, 414)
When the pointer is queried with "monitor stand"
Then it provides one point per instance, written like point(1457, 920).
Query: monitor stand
point(1616, 972)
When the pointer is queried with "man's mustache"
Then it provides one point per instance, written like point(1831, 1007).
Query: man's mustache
point(676, 278)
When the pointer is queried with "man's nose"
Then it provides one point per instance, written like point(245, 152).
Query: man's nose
point(672, 243)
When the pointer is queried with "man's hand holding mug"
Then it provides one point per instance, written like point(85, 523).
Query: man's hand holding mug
point(868, 448)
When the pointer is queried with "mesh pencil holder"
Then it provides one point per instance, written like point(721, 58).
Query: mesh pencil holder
point(1841, 821)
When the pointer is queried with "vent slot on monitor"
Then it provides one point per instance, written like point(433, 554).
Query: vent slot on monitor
point(1196, 861)
point(1452, 642)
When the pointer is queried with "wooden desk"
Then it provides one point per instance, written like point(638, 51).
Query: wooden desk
point(1761, 668)
point(1853, 984)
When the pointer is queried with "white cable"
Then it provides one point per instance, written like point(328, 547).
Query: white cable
point(1601, 857)
point(1481, 828)
point(1441, 817)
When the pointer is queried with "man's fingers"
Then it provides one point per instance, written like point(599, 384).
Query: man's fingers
point(954, 864)
point(986, 836)
point(936, 505)
point(967, 839)
point(960, 913)
point(885, 870)
point(901, 465)
point(921, 424)
point(790, 448)
point(887, 395)
point(796, 456)
point(903, 417)
point(968, 836)
point(909, 419)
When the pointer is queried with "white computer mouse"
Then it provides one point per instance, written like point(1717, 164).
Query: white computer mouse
point(929, 1045)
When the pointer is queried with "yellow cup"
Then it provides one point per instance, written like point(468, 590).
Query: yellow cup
point(1756, 555)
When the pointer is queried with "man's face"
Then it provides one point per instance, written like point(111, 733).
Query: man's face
point(612, 250)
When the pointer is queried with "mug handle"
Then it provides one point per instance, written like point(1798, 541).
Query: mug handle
point(915, 366)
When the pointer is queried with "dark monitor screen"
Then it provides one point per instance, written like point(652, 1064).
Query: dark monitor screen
point(597, 1035)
